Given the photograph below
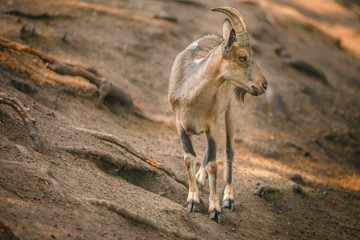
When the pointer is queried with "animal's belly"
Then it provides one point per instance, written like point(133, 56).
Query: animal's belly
point(194, 128)
point(196, 123)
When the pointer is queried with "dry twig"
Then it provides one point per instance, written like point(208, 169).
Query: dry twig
point(107, 157)
point(127, 147)
point(117, 141)
point(29, 122)
point(106, 88)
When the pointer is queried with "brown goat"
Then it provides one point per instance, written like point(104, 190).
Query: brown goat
point(207, 79)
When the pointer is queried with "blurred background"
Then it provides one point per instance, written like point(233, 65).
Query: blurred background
point(301, 137)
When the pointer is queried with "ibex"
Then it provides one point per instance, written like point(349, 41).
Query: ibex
point(210, 77)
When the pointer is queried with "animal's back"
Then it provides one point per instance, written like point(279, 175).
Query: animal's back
point(202, 47)
point(186, 64)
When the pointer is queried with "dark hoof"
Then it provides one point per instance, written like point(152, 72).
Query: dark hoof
point(215, 215)
point(192, 206)
point(228, 203)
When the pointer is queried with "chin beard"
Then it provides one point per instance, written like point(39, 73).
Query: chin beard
point(240, 93)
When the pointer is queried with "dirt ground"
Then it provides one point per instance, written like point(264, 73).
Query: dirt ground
point(302, 137)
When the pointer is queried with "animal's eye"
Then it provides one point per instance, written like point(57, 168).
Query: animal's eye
point(242, 59)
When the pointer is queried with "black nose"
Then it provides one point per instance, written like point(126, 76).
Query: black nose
point(264, 85)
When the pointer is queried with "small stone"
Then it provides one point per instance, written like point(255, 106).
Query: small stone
point(297, 178)
point(307, 154)
point(263, 191)
point(297, 189)
point(24, 151)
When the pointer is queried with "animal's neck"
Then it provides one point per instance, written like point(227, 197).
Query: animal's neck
point(207, 80)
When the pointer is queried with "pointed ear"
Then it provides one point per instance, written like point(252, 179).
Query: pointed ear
point(226, 28)
point(228, 42)
point(232, 39)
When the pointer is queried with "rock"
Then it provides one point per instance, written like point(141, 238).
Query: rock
point(24, 151)
point(263, 191)
point(342, 138)
point(297, 178)
point(307, 154)
point(297, 189)
point(22, 86)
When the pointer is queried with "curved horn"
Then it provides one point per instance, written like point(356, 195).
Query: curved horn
point(237, 21)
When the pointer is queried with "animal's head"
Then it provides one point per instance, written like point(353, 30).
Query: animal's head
point(238, 65)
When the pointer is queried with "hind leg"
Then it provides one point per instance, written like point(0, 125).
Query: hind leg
point(201, 175)
point(190, 163)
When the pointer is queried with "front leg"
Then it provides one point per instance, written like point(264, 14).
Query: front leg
point(228, 200)
point(230, 122)
point(211, 169)
point(190, 163)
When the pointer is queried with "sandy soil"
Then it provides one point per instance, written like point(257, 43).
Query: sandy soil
point(302, 137)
